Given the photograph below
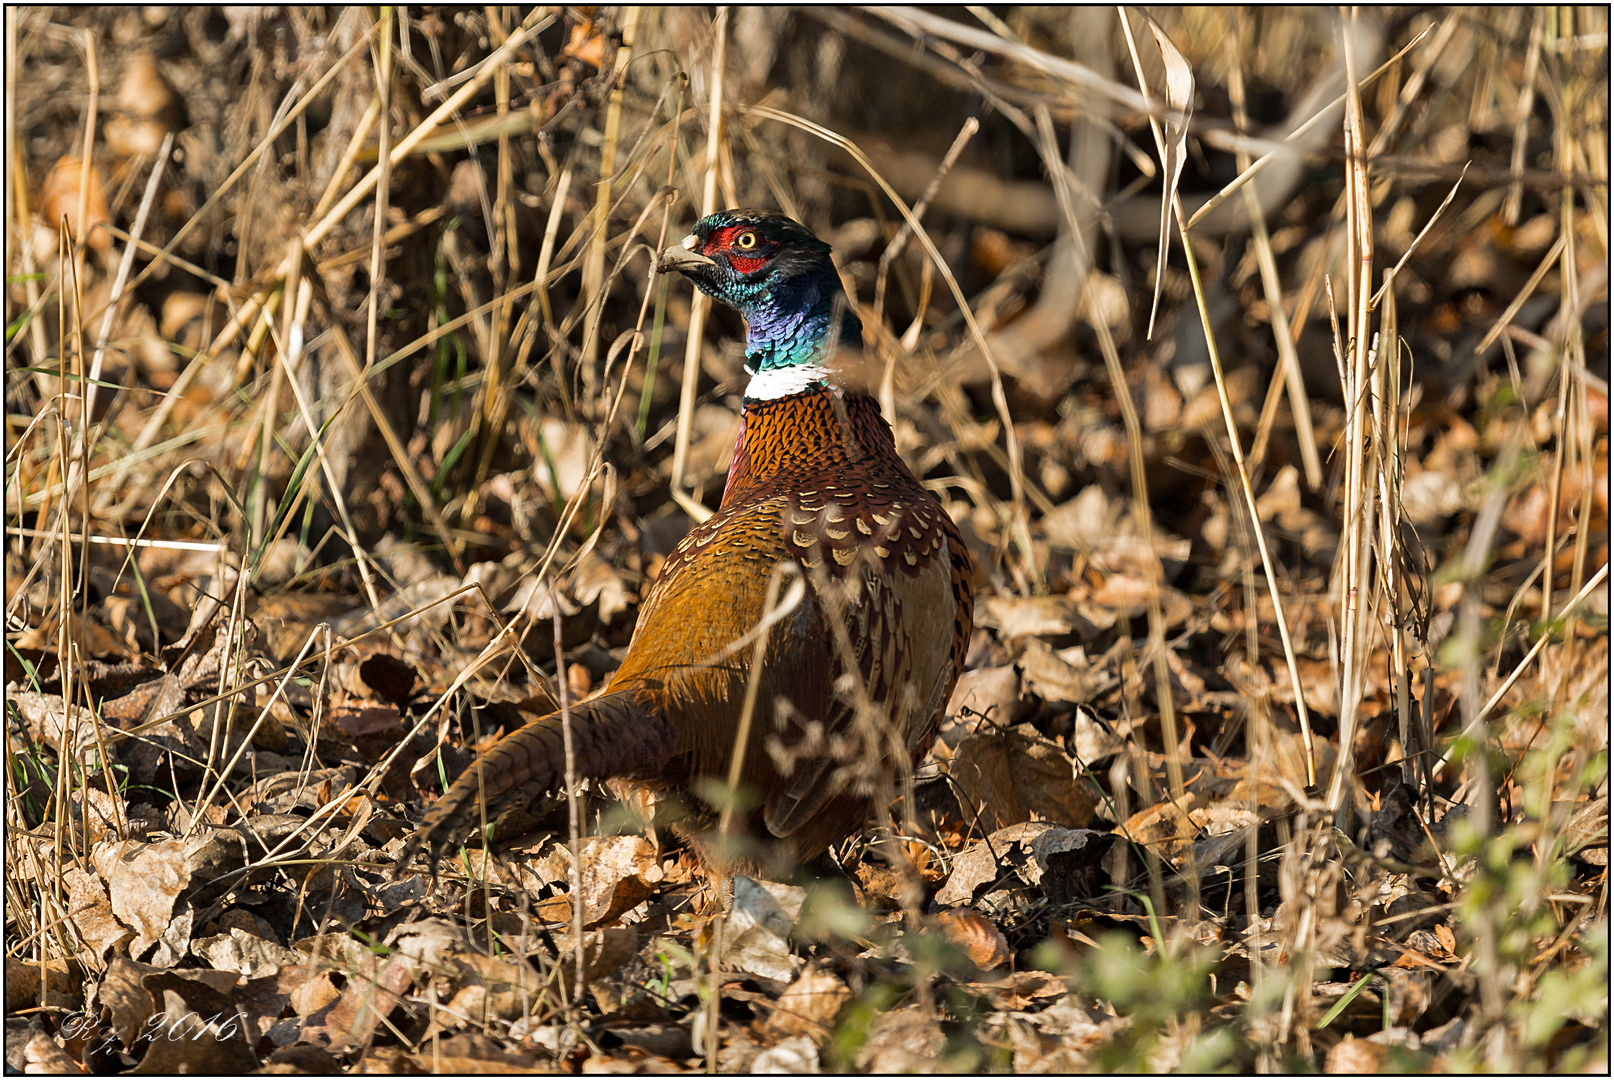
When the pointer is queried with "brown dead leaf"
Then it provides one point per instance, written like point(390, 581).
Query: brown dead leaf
point(586, 44)
point(561, 459)
point(1012, 775)
point(244, 953)
point(136, 995)
point(992, 692)
point(145, 881)
point(61, 980)
point(467, 1053)
point(392, 679)
point(1316, 680)
point(42, 1055)
point(594, 580)
point(91, 912)
point(975, 866)
point(127, 1003)
point(95, 813)
point(370, 727)
point(494, 988)
point(197, 1029)
point(1355, 1057)
point(1092, 740)
point(902, 1041)
point(59, 197)
point(975, 934)
point(364, 1004)
point(1068, 864)
point(809, 1005)
point(1020, 990)
point(1432, 494)
point(308, 990)
point(883, 883)
point(756, 932)
point(1124, 595)
point(1412, 959)
point(1282, 495)
point(1063, 675)
point(1162, 404)
point(1019, 616)
point(48, 718)
point(795, 1056)
point(1164, 827)
point(619, 872)
point(1084, 524)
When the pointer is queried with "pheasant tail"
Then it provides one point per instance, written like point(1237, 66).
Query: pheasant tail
point(617, 734)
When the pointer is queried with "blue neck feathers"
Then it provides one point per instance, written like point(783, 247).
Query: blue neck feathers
point(792, 321)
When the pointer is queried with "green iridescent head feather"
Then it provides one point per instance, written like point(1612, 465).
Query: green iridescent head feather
point(778, 275)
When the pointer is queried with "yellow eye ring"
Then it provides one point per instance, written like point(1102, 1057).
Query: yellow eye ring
point(746, 241)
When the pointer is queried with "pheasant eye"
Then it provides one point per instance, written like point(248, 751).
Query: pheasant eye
point(746, 241)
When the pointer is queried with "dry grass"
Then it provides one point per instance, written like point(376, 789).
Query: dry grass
point(345, 415)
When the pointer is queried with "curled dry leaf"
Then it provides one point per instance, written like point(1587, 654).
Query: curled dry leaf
point(91, 912)
point(1020, 990)
point(975, 866)
point(145, 881)
point(1063, 675)
point(619, 872)
point(755, 935)
point(364, 1004)
point(1092, 740)
point(1018, 616)
point(809, 1005)
point(990, 692)
point(974, 933)
point(59, 197)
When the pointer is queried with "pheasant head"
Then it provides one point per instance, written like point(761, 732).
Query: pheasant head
point(778, 275)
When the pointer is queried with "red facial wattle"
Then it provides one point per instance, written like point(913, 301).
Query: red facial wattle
point(722, 242)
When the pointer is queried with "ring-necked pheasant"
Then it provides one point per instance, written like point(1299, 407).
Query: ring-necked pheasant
point(816, 481)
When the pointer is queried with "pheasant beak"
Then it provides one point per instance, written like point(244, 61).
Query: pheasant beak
point(683, 257)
